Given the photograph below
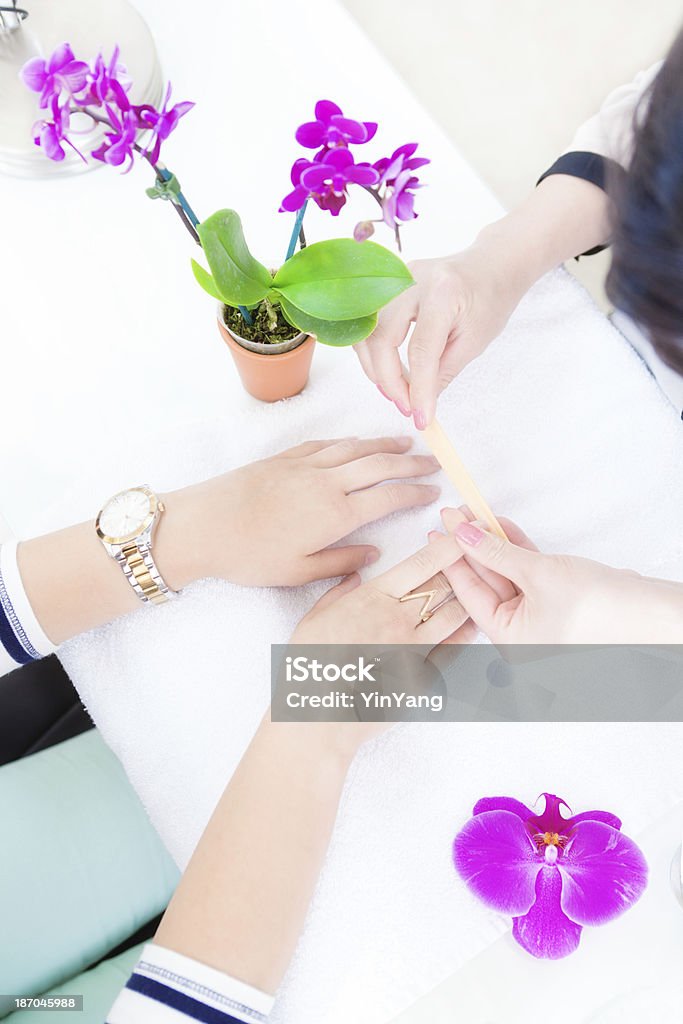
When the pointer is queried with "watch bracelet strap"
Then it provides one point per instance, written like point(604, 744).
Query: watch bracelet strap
point(142, 574)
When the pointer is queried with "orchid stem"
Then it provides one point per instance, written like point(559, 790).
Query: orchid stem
point(182, 207)
point(166, 175)
point(297, 233)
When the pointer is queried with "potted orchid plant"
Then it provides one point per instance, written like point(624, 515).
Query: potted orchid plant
point(270, 318)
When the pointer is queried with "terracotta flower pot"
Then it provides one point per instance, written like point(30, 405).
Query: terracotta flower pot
point(270, 372)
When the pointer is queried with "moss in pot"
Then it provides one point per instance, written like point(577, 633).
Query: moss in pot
point(268, 326)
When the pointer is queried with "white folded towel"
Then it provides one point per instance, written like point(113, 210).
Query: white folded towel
point(565, 432)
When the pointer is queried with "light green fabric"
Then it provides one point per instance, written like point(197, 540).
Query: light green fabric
point(81, 867)
point(99, 988)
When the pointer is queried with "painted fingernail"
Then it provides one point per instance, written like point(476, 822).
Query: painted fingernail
point(420, 419)
point(383, 392)
point(469, 534)
point(371, 557)
point(402, 409)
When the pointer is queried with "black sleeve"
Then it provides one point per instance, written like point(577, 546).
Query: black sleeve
point(591, 167)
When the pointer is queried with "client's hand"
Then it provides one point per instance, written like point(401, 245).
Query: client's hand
point(267, 524)
point(271, 523)
point(517, 595)
point(372, 612)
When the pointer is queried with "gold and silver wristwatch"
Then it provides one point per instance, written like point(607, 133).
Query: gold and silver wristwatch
point(126, 526)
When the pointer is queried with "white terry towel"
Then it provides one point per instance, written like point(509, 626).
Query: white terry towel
point(565, 432)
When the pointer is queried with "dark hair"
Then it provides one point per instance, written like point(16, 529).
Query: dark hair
point(646, 276)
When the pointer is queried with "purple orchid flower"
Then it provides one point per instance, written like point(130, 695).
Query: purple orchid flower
point(326, 180)
point(160, 122)
point(400, 183)
point(50, 77)
point(52, 134)
point(119, 144)
point(331, 129)
point(107, 83)
point(554, 875)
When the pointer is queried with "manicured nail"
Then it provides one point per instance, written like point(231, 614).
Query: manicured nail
point(433, 492)
point(402, 409)
point(434, 461)
point(420, 419)
point(433, 535)
point(469, 534)
point(371, 557)
point(383, 392)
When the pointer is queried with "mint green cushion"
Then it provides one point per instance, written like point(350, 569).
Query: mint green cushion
point(99, 988)
point(81, 867)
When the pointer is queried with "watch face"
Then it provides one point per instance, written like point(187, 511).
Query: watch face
point(126, 515)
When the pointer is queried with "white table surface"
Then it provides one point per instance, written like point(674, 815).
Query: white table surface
point(106, 338)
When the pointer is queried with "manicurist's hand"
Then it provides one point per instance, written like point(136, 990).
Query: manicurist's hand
point(271, 523)
point(458, 305)
point(461, 303)
point(517, 595)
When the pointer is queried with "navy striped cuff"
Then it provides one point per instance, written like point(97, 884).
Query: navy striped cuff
point(12, 634)
point(192, 1008)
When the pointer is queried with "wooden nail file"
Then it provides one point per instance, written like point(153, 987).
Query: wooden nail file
point(453, 467)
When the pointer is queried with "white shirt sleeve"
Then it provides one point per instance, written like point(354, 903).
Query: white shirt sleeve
point(168, 988)
point(610, 132)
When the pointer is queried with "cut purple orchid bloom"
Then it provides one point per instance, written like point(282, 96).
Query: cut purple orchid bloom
point(400, 182)
point(160, 122)
point(326, 180)
point(554, 875)
point(107, 83)
point(119, 144)
point(331, 129)
point(61, 72)
point(51, 134)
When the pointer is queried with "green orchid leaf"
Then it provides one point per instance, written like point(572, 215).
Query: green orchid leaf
point(205, 280)
point(241, 280)
point(338, 333)
point(342, 279)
